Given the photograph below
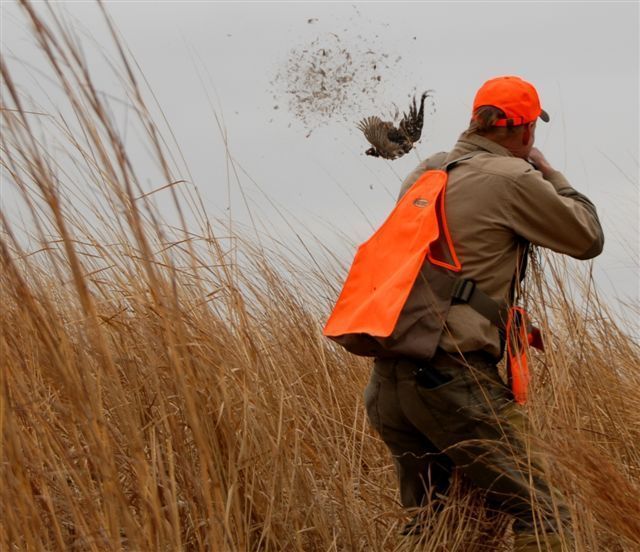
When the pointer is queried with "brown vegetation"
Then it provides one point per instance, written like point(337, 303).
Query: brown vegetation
point(161, 393)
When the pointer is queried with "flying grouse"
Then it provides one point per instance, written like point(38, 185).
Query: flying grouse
point(390, 142)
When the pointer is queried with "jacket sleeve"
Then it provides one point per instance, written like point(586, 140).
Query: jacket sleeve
point(432, 162)
point(550, 213)
point(411, 179)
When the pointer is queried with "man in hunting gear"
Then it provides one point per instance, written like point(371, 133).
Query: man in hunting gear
point(435, 395)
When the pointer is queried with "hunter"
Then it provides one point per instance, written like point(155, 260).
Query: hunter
point(445, 406)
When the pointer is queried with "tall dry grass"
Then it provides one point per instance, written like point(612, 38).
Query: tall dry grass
point(169, 389)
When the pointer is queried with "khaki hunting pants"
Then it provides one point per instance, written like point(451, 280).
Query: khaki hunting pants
point(454, 412)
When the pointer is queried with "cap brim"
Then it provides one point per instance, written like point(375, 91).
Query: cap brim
point(544, 116)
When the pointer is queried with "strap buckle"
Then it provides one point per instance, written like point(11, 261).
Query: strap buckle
point(463, 290)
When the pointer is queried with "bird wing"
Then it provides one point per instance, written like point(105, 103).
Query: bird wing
point(411, 123)
point(382, 136)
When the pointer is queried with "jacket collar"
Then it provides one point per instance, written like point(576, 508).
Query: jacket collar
point(475, 142)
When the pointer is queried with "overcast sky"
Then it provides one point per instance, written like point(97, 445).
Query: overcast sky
point(582, 57)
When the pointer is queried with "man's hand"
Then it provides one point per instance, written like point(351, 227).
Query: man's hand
point(540, 161)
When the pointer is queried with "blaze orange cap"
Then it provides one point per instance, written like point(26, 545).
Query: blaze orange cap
point(516, 97)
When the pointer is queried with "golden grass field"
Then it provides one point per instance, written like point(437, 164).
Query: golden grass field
point(168, 389)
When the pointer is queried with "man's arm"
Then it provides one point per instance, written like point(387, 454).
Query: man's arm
point(547, 211)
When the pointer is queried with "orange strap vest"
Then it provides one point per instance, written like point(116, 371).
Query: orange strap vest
point(387, 264)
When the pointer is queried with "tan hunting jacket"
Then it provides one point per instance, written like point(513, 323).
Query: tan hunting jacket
point(495, 202)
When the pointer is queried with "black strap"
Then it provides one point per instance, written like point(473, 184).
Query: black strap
point(448, 166)
point(465, 291)
point(524, 247)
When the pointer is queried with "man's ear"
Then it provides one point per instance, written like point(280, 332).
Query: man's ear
point(526, 133)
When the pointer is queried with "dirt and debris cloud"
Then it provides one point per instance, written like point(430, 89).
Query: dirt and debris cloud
point(332, 80)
